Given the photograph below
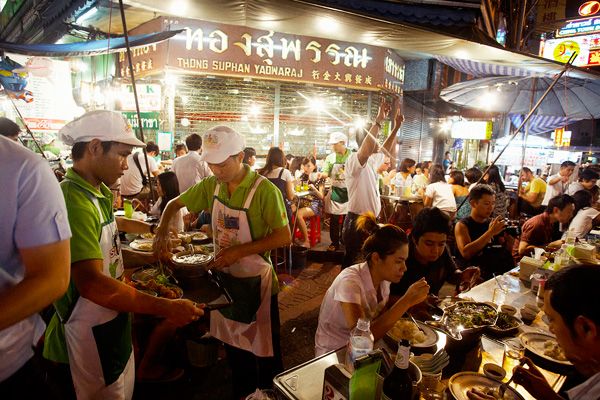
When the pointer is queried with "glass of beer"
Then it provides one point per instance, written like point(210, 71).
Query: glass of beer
point(513, 352)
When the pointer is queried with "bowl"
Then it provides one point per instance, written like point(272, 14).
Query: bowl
point(494, 371)
point(508, 309)
point(506, 325)
point(532, 307)
point(527, 316)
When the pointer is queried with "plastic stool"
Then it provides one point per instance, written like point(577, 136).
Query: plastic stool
point(313, 225)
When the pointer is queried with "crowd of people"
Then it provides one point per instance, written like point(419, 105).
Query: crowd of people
point(61, 247)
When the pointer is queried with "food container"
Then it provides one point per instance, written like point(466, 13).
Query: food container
point(508, 309)
point(506, 325)
point(466, 319)
point(494, 371)
point(189, 265)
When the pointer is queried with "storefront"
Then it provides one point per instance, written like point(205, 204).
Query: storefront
point(277, 89)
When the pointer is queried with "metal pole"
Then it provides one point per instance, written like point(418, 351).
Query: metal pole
point(137, 104)
point(526, 134)
point(535, 107)
point(25, 124)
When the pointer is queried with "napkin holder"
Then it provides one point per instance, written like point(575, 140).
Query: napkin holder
point(528, 266)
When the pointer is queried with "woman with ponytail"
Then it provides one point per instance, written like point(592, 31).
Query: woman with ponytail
point(362, 290)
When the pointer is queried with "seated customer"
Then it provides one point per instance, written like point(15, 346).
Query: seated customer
point(587, 180)
point(537, 231)
point(570, 302)
point(585, 215)
point(362, 290)
point(429, 258)
point(478, 238)
point(531, 196)
point(457, 180)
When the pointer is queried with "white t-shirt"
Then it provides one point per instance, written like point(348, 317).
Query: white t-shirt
point(353, 285)
point(574, 188)
point(442, 195)
point(190, 170)
point(581, 224)
point(554, 190)
point(177, 221)
point(131, 181)
point(286, 175)
point(362, 183)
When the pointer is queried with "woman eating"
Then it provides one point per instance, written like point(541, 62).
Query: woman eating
point(362, 290)
point(312, 204)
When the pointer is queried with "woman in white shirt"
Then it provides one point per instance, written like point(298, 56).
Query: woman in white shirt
point(403, 179)
point(585, 216)
point(362, 290)
point(439, 193)
point(168, 188)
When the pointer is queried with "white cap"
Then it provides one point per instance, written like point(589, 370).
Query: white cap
point(337, 137)
point(104, 125)
point(219, 143)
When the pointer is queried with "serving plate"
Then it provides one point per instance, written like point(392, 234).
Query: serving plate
point(431, 336)
point(461, 382)
point(534, 342)
point(144, 245)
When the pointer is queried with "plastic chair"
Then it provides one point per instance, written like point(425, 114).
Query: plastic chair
point(313, 226)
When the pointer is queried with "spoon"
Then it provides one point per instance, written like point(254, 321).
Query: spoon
point(415, 322)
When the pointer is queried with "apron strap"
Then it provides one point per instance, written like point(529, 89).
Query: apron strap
point(259, 179)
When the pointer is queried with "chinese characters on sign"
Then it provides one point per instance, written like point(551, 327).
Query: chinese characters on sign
point(218, 49)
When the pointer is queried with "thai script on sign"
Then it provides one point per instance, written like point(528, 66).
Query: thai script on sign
point(266, 48)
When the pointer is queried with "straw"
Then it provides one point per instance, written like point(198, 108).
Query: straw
point(498, 282)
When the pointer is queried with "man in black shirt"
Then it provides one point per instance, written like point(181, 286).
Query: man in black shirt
point(429, 257)
point(478, 238)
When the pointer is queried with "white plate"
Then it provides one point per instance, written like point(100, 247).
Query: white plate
point(534, 342)
point(460, 383)
point(431, 336)
point(141, 245)
point(199, 236)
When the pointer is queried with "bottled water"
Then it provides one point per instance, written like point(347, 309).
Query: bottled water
point(570, 239)
point(360, 343)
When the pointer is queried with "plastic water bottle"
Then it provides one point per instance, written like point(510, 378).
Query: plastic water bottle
point(360, 343)
point(570, 239)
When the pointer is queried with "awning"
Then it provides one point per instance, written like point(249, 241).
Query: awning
point(311, 19)
point(90, 48)
point(540, 123)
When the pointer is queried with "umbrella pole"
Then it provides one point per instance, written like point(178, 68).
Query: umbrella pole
point(525, 135)
point(135, 96)
point(525, 120)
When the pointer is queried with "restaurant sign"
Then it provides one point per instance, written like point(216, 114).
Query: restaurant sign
point(587, 48)
point(150, 120)
point(580, 26)
point(230, 50)
point(148, 95)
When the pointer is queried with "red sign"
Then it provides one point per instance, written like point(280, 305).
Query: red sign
point(589, 8)
point(44, 124)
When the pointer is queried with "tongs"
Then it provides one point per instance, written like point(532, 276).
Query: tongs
point(215, 278)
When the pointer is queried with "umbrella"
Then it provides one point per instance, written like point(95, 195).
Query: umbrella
point(570, 98)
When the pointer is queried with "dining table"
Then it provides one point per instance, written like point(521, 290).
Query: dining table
point(305, 381)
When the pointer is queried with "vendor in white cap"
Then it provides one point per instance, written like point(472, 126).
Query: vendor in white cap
point(337, 199)
point(248, 220)
point(91, 329)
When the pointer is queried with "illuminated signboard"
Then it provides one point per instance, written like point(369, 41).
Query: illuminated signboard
point(479, 130)
point(580, 27)
point(587, 48)
point(589, 8)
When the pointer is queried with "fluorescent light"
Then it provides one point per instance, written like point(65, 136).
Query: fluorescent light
point(328, 24)
point(86, 15)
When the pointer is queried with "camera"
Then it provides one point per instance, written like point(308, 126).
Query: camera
point(512, 227)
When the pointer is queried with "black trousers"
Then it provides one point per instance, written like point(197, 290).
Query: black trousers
point(335, 228)
point(526, 208)
point(353, 240)
point(32, 382)
point(249, 371)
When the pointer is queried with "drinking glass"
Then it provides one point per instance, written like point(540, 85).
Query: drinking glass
point(128, 208)
point(499, 295)
point(513, 352)
point(431, 386)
